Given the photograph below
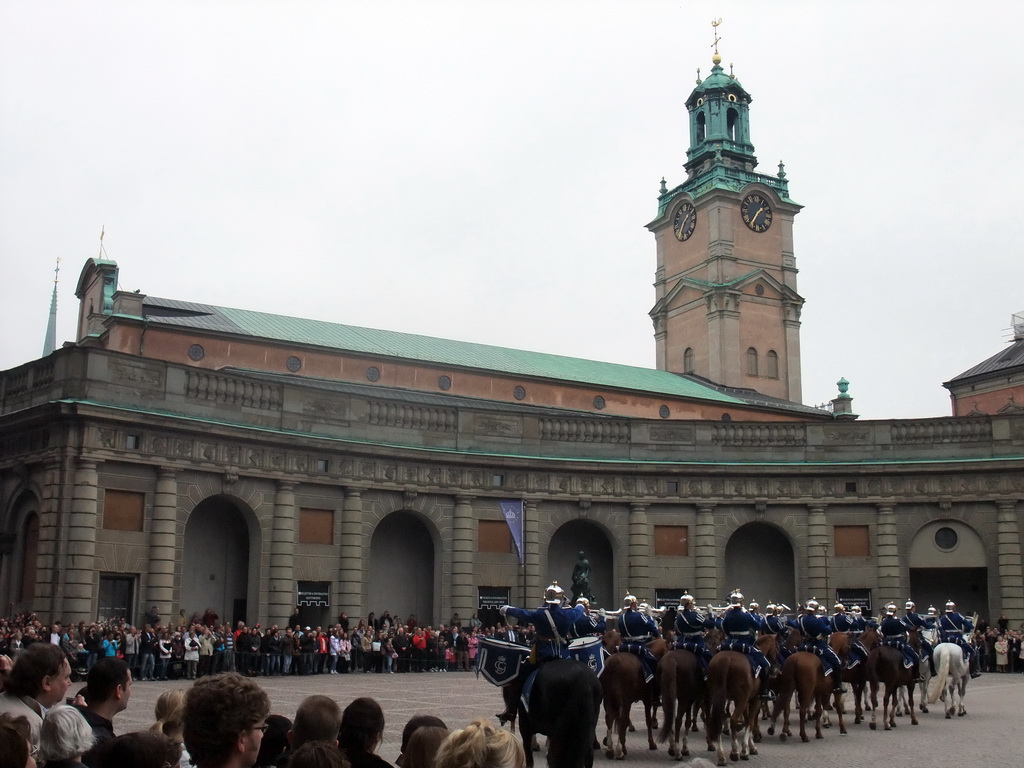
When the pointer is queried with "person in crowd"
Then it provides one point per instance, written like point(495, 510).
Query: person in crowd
point(170, 713)
point(480, 745)
point(225, 718)
point(361, 732)
point(317, 754)
point(152, 617)
point(318, 718)
point(344, 651)
point(147, 652)
point(131, 649)
point(191, 654)
point(415, 722)
point(142, 749)
point(64, 737)
point(275, 742)
point(107, 692)
point(205, 651)
point(16, 743)
point(39, 680)
point(421, 751)
point(164, 650)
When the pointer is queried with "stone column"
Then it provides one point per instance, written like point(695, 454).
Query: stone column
point(282, 593)
point(350, 569)
point(163, 543)
point(80, 572)
point(639, 553)
point(1011, 584)
point(531, 544)
point(705, 557)
point(888, 558)
point(48, 563)
point(817, 555)
point(462, 597)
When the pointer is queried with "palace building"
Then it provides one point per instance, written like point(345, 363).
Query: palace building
point(195, 456)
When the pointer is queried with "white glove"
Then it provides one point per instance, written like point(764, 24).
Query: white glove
point(503, 609)
point(601, 613)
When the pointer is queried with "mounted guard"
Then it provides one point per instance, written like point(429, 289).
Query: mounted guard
point(637, 629)
point(690, 627)
point(894, 634)
point(952, 627)
point(816, 631)
point(740, 629)
point(913, 619)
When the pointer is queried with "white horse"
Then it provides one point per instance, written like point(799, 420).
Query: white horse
point(951, 676)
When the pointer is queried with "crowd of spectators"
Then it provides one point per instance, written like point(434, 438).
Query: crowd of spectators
point(1001, 647)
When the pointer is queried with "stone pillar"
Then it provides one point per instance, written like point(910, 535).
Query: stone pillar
point(639, 553)
point(462, 597)
point(705, 557)
point(80, 572)
point(48, 563)
point(533, 590)
point(350, 569)
point(1011, 584)
point(163, 543)
point(817, 555)
point(282, 592)
point(888, 558)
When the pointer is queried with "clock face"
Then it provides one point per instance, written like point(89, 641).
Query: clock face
point(757, 212)
point(684, 222)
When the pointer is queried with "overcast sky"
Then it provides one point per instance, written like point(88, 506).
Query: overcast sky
point(484, 170)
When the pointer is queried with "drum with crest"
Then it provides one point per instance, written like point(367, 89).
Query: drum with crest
point(590, 651)
point(499, 661)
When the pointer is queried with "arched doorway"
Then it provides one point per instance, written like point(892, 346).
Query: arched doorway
point(759, 560)
point(402, 569)
point(947, 562)
point(19, 555)
point(215, 563)
point(568, 541)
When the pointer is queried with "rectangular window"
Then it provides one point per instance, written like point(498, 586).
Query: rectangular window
point(494, 536)
point(852, 540)
point(671, 541)
point(115, 598)
point(316, 526)
point(123, 510)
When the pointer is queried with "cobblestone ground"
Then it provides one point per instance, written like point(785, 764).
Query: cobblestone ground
point(989, 735)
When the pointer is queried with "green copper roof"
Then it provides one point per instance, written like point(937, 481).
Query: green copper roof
point(427, 349)
point(717, 81)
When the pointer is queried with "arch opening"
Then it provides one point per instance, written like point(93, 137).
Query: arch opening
point(568, 541)
point(759, 560)
point(401, 578)
point(948, 562)
point(215, 570)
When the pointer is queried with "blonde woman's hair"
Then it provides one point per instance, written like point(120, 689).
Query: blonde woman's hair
point(480, 745)
point(169, 711)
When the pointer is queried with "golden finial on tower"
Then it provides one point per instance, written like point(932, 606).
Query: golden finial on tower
point(716, 59)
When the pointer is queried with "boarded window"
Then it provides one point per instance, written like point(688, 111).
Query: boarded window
point(494, 536)
point(123, 510)
point(852, 541)
point(671, 541)
point(316, 526)
point(772, 361)
point(752, 362)
point(688, 364)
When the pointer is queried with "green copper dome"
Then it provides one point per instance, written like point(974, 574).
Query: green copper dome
point(717, 82)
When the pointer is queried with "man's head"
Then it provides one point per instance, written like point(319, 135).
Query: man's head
point(109, 685)
point(318, 718)
point(224, 717)
point(42, 672)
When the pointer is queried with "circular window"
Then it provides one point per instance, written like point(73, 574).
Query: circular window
point(664, 412)
point(196, 352)
point(444, 382)
point(373, 373)
point(732, 97)
point(599, 402)
point(293, 364)
point(700, 101)
point(519, 393)
point(759, 290)
point(946, 538)
point(726, 418)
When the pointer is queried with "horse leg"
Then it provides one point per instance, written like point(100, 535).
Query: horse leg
point(910, 696)
point(651, 718)
point(611, 731)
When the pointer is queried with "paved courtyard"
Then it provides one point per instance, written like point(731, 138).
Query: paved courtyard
point(989, 735)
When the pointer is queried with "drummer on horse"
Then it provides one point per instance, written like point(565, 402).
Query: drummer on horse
point(740, 629)
point(553, 624)
point(913, 619)
point(952, 626)
point(894, 634)
point(816, 631)
point(690, 627)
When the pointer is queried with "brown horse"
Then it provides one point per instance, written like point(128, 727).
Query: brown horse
point(622, 683)
point(732, 682)
point(885, 666)
point(857, 676)
point(682, 693)
point(803, 674)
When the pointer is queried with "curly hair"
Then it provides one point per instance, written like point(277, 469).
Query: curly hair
point(217, 710)
point(480, 745)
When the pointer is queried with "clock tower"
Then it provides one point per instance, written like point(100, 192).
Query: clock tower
point(726, 305)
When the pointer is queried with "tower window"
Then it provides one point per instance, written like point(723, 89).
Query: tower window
point(752, 362)
point(731, 118)
point(688, 364)
point(701, 128)
point(772, 362)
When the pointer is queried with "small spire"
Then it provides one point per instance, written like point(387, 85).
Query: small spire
point(50, 342)
point(731, 75)
point(664, 186)
point(715, 59)
point(699, 81)
point(782, 170)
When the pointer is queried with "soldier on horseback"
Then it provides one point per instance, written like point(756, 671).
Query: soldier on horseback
point(740, 629)
point(816, 631)
point(590, 623)
point(637, 629)
point(841, 621)
point(553, 624)
point(894, 634)
point(913, 619)
point(952, 626)
point(857, 653)
point(691, 625)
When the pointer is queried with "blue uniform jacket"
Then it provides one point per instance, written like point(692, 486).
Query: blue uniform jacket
point(588, 625)
point(813, 627)
point(739, 624)
point(634, 625)
point(553, 624)
point(842, 622)
point(893, 628)
point(774, 625)
point(952, 626)
point(689, 621)
point(917, 620)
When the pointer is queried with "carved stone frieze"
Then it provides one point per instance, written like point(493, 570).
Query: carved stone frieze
point(682, 434)
point(138, 374)
point(847, 435)
point(497, 426)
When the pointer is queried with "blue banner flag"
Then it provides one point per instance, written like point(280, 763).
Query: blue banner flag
point(513, 511)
